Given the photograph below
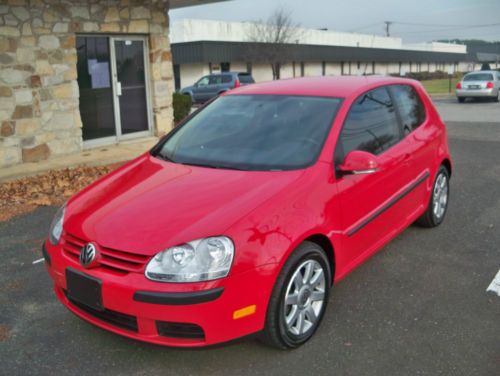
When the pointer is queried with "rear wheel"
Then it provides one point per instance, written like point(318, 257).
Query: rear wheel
point(497, 98)
point(461, 99)
point(299, 298)
point(438, 203)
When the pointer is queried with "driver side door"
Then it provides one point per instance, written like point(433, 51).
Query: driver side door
point(372, 205)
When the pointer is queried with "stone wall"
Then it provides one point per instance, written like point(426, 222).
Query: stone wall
point(39, 108)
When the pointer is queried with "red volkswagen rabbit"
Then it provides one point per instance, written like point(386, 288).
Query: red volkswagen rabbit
point(242, 218)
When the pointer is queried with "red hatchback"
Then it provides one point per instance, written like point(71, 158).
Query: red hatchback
point(242, 218)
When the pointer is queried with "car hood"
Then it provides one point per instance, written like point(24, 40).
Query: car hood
point(150, 204)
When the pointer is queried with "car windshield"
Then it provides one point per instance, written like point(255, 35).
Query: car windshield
point(253, 132)
point(479, 77)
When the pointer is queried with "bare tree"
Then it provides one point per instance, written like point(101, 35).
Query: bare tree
point(270, 38)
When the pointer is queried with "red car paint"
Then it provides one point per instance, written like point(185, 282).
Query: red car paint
point(149, 204)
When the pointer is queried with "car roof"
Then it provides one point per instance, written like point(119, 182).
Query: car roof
point(323, 86)
point(482, 71)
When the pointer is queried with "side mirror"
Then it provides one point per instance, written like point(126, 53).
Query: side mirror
point(359, 162)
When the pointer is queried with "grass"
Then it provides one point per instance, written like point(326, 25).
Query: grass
point(440, 86)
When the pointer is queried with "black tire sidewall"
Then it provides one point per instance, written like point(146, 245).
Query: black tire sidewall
point(442, 171)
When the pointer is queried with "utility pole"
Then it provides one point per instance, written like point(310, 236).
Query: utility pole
point(387, 26)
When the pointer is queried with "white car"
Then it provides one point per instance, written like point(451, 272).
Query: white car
point(482, 84)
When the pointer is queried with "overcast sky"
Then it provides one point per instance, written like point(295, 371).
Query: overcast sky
point(443, 19)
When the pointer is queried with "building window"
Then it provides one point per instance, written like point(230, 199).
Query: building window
point(323, 68)
point(341, 68)
point(249, 68)
point(349, 68)
point(210, 67)
point(177, 77)
point(225, 67)
point(359, 65)
point(293, 68)
point(302, 69)
point(373, 67)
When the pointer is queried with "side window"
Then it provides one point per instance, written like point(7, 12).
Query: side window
point(410, 107)
point(371, 125)
point(215, 80)
point(203, 81)
point(226, 79)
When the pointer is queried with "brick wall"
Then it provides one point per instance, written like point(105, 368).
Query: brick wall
point(39, 108)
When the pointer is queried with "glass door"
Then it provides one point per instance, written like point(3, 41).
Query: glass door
point(113, 83)
point(96, 92)
point(130, 86)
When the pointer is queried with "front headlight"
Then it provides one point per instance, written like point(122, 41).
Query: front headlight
point(56, 226)
point(198, 260)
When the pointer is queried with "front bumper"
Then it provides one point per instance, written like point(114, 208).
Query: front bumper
point(468, 93)
point(172, 314)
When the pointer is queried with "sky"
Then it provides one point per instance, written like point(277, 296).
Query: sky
point(413, 20)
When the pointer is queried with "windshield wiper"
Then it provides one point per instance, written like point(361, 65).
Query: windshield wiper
point(164, 157)
point(210, 165)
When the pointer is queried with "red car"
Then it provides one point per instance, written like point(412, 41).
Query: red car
point(242, 218)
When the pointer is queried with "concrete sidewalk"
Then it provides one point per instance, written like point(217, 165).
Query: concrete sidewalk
point(91, 157)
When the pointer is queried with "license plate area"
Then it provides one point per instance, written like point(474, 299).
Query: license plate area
point(474, 87)
point(84, 289)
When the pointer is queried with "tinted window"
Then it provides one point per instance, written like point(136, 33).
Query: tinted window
point(215, 80)
point(371, 125)
point(245, 78)
point(226, 79)
point(410, 106)
point(479, 77)
point(203, 81)
point(254, 132)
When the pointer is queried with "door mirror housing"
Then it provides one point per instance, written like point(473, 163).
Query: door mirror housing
point(359, 162)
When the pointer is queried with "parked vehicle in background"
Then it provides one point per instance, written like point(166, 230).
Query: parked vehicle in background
point(482, 84)
point(212, 85)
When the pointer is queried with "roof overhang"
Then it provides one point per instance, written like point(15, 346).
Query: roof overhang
point(174, 4)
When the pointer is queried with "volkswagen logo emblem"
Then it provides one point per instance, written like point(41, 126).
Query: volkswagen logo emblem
point(88, 254)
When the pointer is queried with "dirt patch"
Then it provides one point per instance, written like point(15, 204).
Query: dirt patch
point(51, 188)
point(5, 333)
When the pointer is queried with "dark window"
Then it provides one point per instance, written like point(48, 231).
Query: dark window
point(478, 77)
point(342, 68)
point(245, 78)
point(249, 68)
point(371, 125)
point(302, 69)
point(323, 68)
point(226, 79)
point(254, 132)
point(225, 67)
point(410, 106)
point(177, 76)
point(215, 80)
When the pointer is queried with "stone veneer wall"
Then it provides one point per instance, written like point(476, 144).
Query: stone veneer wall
point(39, 108)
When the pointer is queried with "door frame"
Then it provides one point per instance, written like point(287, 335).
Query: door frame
point(119, 137)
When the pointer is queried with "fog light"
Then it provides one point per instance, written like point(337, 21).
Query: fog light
point(247, 311)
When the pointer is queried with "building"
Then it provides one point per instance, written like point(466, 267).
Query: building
point(200, 47)
point(75, 74)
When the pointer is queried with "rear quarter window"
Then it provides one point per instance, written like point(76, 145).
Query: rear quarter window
point(226, 79)
point(410, 106)
point(245, 78)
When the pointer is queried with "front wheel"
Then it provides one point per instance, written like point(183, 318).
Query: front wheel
point(438, 203)
point(299, 298)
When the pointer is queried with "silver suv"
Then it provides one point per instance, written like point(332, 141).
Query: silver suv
point(482, 84)
point(212, 85)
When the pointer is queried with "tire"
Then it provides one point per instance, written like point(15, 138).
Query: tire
point(497, 98)
point(310, 300)
point(461, 99)
point(438, 202)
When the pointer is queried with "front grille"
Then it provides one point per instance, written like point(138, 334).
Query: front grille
point(111, 259)
point(179, 330)
point(121, 320)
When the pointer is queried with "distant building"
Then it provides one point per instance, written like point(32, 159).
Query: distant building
point(200, 47)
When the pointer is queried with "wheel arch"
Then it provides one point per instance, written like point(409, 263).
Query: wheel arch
point(447, 164)
point(324, 242)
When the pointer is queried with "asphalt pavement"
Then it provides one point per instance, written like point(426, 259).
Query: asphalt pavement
point(418, 307)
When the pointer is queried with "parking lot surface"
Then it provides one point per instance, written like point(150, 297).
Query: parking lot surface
point(418, 307)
